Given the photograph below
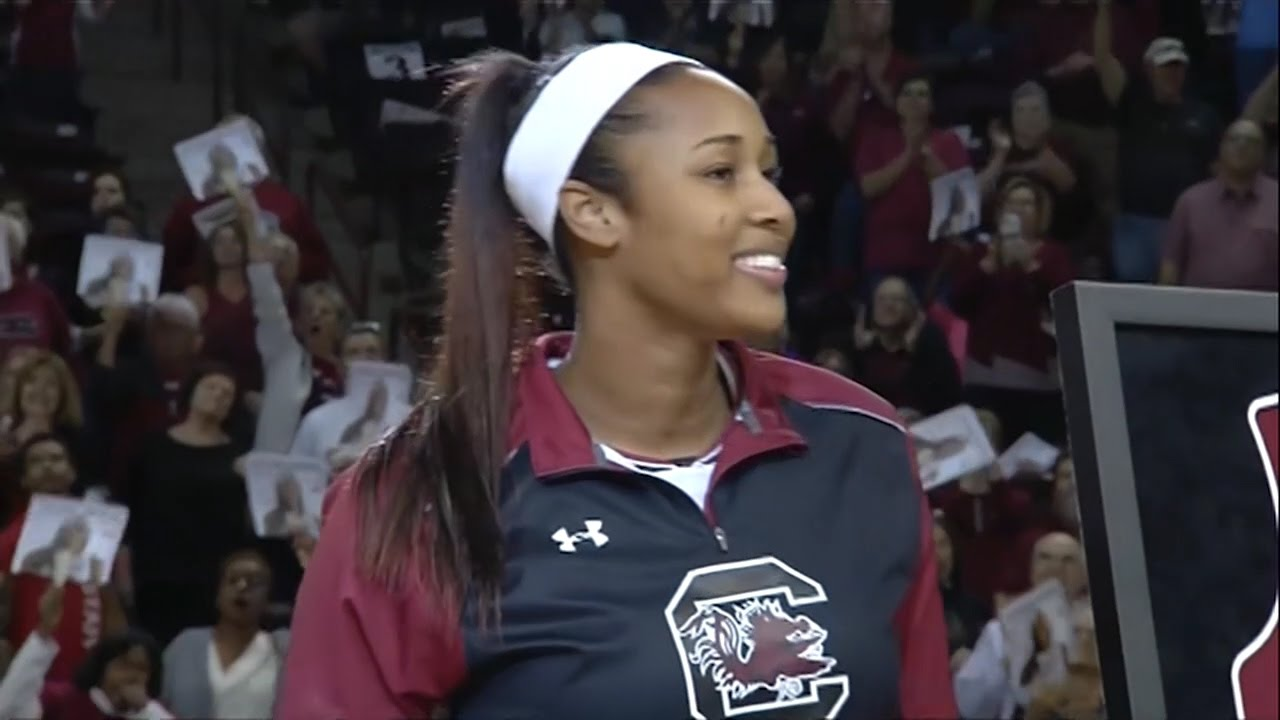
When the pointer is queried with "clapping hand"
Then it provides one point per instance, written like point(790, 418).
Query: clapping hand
point(1000, 139)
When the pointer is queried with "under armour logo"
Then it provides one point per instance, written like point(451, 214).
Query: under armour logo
point(568, 542)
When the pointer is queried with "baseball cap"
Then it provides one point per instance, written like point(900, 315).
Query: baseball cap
point(1165, 50)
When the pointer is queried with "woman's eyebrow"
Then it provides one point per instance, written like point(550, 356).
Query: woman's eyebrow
point(732, 139)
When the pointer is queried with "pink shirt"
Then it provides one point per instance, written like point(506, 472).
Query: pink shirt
point(1220, 238)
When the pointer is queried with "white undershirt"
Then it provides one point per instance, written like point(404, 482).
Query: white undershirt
point(247, 687)
point(692, 479)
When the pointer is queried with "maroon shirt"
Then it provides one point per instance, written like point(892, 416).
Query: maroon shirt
point(45, 36)
point(1220, 238)
point(897, 224)
point(31, 316)
point(182, 242)
point(1005, 308)
point(228, 329)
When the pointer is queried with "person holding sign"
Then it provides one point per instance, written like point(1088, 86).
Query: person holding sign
point(118, 679)
point(568, 525)
point(46, 467)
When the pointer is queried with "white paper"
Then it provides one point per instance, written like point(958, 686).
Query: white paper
point(950, 445)
point(223, 212)
point(285, 493)
point(377, 399)
point(1028, 454)
point(226, 149)
point(1047, 602)
point(395, 112)
point(79, 529)
point(399, 61)
point(957, 204)
point(119, 270)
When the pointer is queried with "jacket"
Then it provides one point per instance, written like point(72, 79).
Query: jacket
point(807, 588)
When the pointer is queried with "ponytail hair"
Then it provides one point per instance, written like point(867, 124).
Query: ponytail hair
point(435, 520)
point(445, 502)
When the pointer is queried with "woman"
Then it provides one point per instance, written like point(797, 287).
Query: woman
point(636, 484)
point(228, 671)
point(187, 507)
point(45, 400)
point(895, 165)
point(1002, 289)
point(899, 354)
point(118, 679)
point(45, 466)
point(226, 310)
point(301, 359)
point(110, 190)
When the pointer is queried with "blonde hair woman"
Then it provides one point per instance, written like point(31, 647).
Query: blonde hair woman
point(43, 398)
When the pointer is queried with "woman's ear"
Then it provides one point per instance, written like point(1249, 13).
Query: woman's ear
point(592, 216)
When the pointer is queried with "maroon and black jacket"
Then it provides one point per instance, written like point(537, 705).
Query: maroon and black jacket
point(806, 589)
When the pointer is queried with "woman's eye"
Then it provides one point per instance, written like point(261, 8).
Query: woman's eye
point(724, 173)
point(773, 175)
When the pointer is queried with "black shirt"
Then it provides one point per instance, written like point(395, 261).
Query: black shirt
point(1164, 149)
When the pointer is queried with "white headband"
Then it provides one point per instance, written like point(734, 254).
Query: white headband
point(558, 124)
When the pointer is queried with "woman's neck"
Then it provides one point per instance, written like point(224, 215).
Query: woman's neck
point(198, 431)
point(643, 390)
point(321, 347)
point(231, 282)
point(231, 639)
point(34, 425)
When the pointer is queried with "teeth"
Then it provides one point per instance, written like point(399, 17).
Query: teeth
point(764, 261)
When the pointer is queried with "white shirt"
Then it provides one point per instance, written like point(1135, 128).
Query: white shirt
point(247, 687)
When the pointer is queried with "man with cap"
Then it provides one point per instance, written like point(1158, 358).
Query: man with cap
point(1167, 143)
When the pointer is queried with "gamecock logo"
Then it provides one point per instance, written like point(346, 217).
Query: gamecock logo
point(1253, 674)
point(745, 647)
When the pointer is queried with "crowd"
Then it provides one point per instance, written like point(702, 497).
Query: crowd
point(1110, 141)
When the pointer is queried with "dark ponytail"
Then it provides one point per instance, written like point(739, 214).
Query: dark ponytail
point(439, 513)
point(445, 500)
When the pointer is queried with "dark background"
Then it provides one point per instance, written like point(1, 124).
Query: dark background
point(1207, 523)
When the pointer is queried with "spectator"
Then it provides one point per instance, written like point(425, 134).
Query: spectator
point(1055, 509)
point(900, 354)
point(1080, 695)
point(1033, 150)
point(320, 432)
point(110, 189)
point(118, 679)
point(964, 615)
point(985, 686)
point(45, 466)
point(122, 221)
point(228, 671)
point(182, 241)
point(577, 23)
point(45, 80)
point(133, 397)
point(895, 165)
point(45, 399)
point(1223, 231)
point(226, 309)
point(867, 71)
point(1167, 142)
point(29, 312)
point(187, 509)
point(1002, 289)
point(300, 356)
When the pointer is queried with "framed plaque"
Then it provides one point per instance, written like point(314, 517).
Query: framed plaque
point(1170, 396)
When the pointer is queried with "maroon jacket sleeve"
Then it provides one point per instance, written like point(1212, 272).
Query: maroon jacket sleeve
point(925, 691)
point(359, 649)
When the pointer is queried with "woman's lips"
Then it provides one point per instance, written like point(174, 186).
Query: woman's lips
point(767, 268)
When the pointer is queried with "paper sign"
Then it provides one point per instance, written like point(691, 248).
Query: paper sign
point(119, 271)
point(1037, 627)
point(950, 445)
point(400, 61)
point(227, 151)
point(223, 212)
point(1028, 454)
point(285, 493)
point(61, 536)
point(957, 204)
